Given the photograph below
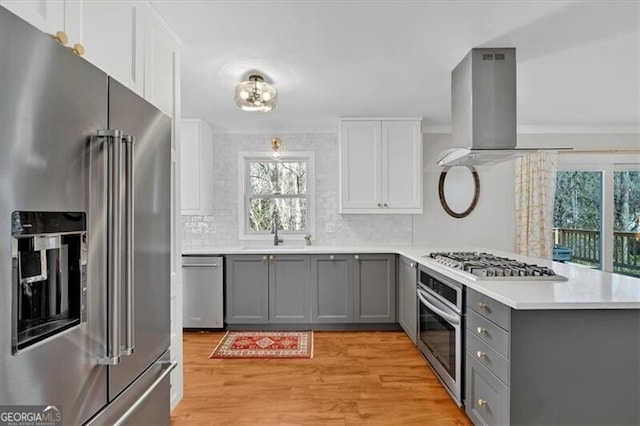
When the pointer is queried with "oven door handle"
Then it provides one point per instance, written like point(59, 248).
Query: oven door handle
point(455, 320)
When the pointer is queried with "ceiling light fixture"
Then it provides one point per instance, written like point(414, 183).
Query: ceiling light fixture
point(256, 95)
point(275, 145)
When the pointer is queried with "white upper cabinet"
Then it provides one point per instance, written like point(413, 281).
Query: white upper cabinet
point(380, 166)
point(360, 166)
point(111, 33)
point(125, 39)
point(196, 175)
point(161, 64)
point(46, 15)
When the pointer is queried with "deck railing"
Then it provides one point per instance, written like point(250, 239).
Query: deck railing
point(586, 246)
point(626, 252)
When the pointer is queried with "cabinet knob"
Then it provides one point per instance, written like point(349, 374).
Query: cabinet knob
point(264, 257)
point(412, 265)
point(379, 205)
point(480, 354)
point(331, 257)
point(78, 49)
point(385, 204)
point(356, 257)
point(481, 402)
point(482, 305)
point(481, 330)
point(61, 37)
point(270, 257)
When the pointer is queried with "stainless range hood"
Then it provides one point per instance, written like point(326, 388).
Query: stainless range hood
point(483, 109)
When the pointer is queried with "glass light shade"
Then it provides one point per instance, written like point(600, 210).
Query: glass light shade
point(256, 95)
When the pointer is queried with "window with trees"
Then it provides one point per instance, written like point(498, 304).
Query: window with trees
point(277, 192)
point(597, 215)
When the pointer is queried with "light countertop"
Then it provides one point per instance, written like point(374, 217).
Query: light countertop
point(585, 288)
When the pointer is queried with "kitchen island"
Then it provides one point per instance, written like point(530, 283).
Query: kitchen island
point(537, 352)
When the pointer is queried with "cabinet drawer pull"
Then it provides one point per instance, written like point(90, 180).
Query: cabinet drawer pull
point(270, 257)
point(481, 402)
point(356, 257)
point(480, 354)
point(331, 257)
point(481, 330)
point(482, 305)
point(264, 257)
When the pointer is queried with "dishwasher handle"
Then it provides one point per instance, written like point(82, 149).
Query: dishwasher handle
point(201, 265)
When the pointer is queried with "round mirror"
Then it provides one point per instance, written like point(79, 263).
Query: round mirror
point(459, 190)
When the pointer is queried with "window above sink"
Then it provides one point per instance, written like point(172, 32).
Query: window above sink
point(276, 190)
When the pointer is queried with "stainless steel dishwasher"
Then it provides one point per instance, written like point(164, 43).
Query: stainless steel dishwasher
point(202, 294)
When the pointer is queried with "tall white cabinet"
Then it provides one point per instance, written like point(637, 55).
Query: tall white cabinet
point(196, 137)
point(380, 165)
point(129, 41)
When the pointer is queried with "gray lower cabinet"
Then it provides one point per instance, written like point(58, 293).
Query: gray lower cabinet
point(289, 289)
point(247, 289)
point(358, 288)
point(487, 361)
point(407, 303)
point(263, 289)
point(301, 289)
point(331, 289)
point(533, 367)
point(374, 281)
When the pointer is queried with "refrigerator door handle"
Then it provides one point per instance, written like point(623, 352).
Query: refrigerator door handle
point(129, 342)
point(113, 138)
point(167, 367)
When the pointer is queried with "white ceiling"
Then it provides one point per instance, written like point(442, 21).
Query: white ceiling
point(578, 62)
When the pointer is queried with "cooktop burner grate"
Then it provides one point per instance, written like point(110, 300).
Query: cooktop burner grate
point(490, 266)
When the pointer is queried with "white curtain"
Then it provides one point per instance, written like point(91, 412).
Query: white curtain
point(535, 191)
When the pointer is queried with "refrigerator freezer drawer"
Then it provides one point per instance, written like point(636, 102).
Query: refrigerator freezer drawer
point(202, 294)
point(144, 402)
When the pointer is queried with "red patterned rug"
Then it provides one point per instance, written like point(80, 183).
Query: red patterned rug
point(265, 344)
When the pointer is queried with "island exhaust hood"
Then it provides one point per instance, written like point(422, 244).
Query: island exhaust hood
point(483, 109)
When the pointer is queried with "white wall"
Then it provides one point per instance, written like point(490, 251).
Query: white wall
point(491, 224)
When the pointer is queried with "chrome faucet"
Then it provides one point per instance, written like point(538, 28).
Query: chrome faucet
point(274, 227)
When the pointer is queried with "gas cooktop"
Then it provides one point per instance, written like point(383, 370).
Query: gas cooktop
point(491, 267)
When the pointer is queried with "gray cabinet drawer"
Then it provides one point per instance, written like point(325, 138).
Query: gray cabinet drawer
point(488, 357)
point(488, 332)
point(489, 308)
point(487, 398)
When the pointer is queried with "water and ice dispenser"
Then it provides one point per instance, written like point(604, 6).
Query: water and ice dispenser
point(49, 251)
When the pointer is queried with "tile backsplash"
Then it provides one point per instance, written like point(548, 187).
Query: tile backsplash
point(332, 228)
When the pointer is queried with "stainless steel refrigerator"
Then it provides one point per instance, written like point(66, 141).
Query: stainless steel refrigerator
point(84, 237)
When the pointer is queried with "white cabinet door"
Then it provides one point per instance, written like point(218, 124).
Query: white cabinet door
point(360, 166)
point(45, 15)
point(196, 157)
point(160, 64)
point(111, 33)
point(381, 166)
point(402, 165)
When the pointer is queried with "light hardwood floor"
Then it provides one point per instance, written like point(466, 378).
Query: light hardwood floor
point(376, 378)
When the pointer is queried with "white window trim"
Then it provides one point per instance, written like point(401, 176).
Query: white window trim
point(243, 158)
point(607, 164)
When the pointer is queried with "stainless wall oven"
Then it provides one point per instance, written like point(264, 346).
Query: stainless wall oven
point(440, 327)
